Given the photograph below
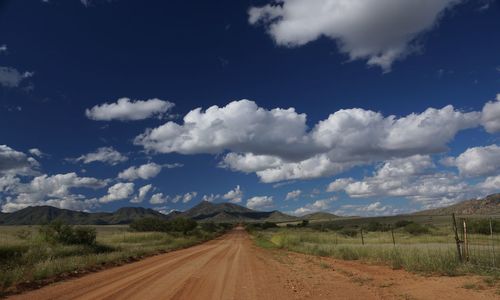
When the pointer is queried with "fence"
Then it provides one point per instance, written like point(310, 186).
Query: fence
point(478, 240)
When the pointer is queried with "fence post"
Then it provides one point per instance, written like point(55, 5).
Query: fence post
point(492, 243)
point(466, 242)
point(457, 240)
point(393, 240)
point(362, 239)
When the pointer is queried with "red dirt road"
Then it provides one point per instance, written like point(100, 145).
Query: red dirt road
point(231, 267)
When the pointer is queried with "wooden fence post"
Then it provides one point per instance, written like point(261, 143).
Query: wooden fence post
point(362, 239)
point(466, 242)
point(457, 240)
point(393, 240)
point(492, 243)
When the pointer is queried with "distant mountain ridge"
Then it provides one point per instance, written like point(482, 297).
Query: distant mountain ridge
point(204, 211)
point(489, 205)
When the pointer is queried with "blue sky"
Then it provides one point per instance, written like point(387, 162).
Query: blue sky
point(355, 107)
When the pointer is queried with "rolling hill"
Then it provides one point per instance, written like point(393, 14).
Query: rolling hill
point(489, 205)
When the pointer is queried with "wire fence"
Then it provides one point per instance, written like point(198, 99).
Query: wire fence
point(478, 240)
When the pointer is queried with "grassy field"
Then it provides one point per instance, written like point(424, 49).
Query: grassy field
point(431, 251)
point(27, 258)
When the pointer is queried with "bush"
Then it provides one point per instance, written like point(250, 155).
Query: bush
point(482, 226)
point(153, 224)
point(58, 232)
point(416, 229)
point(402, 223)
point(349, 232)
point(209, 227)
point(376, 226)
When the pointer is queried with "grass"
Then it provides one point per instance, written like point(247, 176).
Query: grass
point(432, 253)
point(26, 258)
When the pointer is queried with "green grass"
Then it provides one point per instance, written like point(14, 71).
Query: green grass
point(26, 257)
point(434, 252)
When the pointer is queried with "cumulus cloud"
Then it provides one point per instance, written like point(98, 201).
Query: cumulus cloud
point(117, 192)
point(185, 198)
point(52, 190)
point(145, 171)
point(491, 116)
point(143, 191)
point(36, 152)
point(318, 205)
point(126, 109)
point(158, 198)
point(11, 77)
point(339, 184)
point(104, 154)
point(477, 161)
point(211, 197)
point(235, 195)
point(16, 162)
point(372, 209)
point(277, 145)
point(293, 195)
point(261, 202)
point(414, 178)
point(380, 31)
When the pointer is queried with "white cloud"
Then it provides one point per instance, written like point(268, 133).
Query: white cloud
point(104, 154)
point(372, 209)
point(339, 184)
point(3, 48)
point(235, 195)
point(117, 192)
point(145, 171)
point(413, 178)
point(318, 205)
point(491, 116)
point(16, 162)
point(36, 152)
point(261, 202)
point(211, 197)
point(158, 198)
point(478, 161)
point(380, 31)
point(52, 190)
point(10, 77)
point(277, 146)
point(129, 110)
point(189, 196)
point(293, 194)
point(143, 191)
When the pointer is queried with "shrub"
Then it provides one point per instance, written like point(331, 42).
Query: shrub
point(415, 229)
point(402, 223)
point(209, 227)
point(482, 226)
point(376, 226)
point(153, 224)
point(267, 225)
point(58, 232)
point(304, 223)
point(349, 232)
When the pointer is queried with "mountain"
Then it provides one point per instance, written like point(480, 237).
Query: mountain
point(230, 212)
point(204, 211)
point(34, 215)
point(489, 205)
point(319, 216)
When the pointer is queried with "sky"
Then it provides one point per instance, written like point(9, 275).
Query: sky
point(356, 107)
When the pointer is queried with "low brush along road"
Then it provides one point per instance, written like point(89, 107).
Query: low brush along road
point(231, 267)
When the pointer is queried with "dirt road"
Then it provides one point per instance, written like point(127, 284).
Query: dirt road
point(231, 267)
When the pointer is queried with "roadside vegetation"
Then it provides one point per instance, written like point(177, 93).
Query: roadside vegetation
point(31, 255)
point(401, 244)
